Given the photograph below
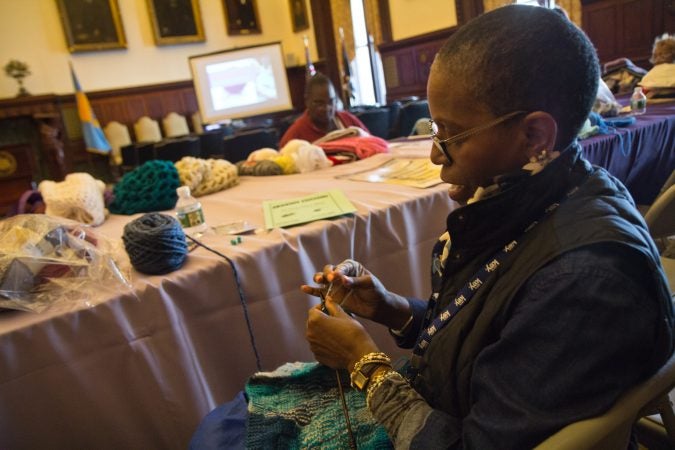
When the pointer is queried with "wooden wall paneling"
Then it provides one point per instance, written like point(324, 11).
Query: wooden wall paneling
point(636, 27)
point(467, 10)
point(325, 40)
point(669, 15)
point(190, 105)
point(406, 63)
point(16, 174)
point(424, 56)
point(600, 23)
point(626, 28)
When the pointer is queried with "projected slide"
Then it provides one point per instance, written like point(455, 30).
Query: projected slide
point(239, 83)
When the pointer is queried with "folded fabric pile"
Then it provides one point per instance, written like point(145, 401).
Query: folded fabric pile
point(206, 176)
point(359, 147)
point(299, 406)
point(660, 81)
point(79, 197)
point(622, 75)
point(150, 187)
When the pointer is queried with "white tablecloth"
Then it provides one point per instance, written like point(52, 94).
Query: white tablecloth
point(142, 369)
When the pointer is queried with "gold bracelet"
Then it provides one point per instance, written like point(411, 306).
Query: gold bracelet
point(378, 381)
point(365, 367)
point(371, 358)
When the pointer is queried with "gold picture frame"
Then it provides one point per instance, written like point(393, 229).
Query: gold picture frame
point(299, 16)
point(91, 25)
point(176, 21)
point(241, 17)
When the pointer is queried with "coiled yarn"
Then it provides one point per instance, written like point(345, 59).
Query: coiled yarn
point(155, 243)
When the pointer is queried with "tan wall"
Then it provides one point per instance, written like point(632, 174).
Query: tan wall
point(414, 17)
point(30, 31)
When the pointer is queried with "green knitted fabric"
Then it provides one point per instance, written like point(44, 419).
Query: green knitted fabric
point(150, 187)
point(298, 406)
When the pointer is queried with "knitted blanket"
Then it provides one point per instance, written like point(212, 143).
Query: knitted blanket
point(298, 406)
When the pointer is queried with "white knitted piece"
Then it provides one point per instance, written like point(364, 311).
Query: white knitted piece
point(307, 157)
point(262, 154)
point(205, 176)
point(79, 197)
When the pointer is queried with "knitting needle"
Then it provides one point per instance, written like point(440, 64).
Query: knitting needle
point(345, 409)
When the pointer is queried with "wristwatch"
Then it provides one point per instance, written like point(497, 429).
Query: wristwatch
point(360, 378)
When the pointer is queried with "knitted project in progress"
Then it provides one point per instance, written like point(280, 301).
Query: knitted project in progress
point(298, 406)
point(206, 176)
point(150, 187)
point(79, 197)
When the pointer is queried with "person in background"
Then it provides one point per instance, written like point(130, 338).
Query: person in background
point(321, 115)
point(663, 51)
point(548, 300)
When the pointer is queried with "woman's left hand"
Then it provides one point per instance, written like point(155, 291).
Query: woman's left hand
point(336, 339)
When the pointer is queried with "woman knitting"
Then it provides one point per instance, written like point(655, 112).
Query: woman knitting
point(548, 300)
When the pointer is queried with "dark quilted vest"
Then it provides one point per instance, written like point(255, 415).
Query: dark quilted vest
point(600, 203)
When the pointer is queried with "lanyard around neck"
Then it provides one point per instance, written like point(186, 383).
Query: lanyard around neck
point(466, 293)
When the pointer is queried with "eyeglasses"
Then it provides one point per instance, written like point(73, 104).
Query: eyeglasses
point(443, 144)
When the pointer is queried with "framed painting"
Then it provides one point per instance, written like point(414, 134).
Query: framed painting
point(241, 17)
point(176, 21)
point(91, 25)
point(299, 17)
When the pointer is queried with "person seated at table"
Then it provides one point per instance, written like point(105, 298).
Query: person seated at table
point(548, 299)
point(321, 115)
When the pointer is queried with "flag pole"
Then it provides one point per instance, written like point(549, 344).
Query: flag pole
point(310, 71)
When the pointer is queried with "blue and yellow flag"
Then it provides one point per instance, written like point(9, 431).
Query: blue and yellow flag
point(94, 138)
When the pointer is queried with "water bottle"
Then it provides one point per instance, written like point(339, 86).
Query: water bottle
point(638, 101)
point(189, 212)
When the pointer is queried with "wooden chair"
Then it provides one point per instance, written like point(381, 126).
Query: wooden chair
point(147, 130)
point(175, 125)
point(118, 136)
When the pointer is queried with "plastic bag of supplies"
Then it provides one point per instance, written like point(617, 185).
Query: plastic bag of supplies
point(53, 263)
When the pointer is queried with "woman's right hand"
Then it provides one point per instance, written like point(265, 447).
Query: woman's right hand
point(358, 291)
